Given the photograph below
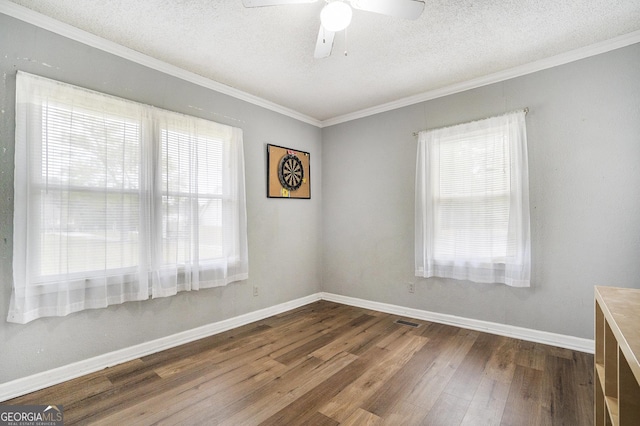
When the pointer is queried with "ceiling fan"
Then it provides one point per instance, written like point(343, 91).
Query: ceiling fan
point(336, 15)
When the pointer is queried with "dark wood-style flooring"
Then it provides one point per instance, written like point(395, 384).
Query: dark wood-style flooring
point(330, 364)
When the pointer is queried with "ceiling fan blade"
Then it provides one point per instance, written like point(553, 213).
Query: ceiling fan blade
point(260, 3)
point(324, 43)
point(408, 9)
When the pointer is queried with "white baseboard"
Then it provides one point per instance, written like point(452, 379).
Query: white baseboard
point(553, 339)
point(58, 375)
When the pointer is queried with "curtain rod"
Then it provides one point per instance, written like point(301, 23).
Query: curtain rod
point(525, 110)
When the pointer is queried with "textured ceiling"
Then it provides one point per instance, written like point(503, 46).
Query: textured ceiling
point(268, 51)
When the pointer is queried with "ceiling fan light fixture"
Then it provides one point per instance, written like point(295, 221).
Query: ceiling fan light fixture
point(336, 16)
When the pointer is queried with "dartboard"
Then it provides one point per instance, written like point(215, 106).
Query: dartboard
point(290, 172)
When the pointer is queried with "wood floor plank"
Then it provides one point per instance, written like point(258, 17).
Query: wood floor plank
point(322, 340)
point(346, 402)
point(201, 345)
point(318, 419)
point(361, 417)
point(352, 338)
point(488, 403)
point(567, 385)
point(563, 398)
point(375, 335)
point(262, 404)
point(406, 379)
point(449, 410)
point(222, 360)
point(72, 393)
point(501, 364)
point(490, 398)
point(219, 361)
point(209, 396)
point(329, 364)
point(465, 381)
point(305, 408)
point(531, 355)
point(404, 413)
point(428, 389)
point(302, 333)
point(582, 377)
point(525, 398)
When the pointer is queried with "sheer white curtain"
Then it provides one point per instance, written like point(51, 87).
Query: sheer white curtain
point(118, 201)
point(472, 202)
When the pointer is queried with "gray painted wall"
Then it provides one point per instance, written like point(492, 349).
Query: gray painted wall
point(273, 225)
point(584, 164)
point(584, 151)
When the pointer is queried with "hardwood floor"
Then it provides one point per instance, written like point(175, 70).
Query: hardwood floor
point(330, 364)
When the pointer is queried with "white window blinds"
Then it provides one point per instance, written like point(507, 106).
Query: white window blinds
point(472, 203)
point(116, 201)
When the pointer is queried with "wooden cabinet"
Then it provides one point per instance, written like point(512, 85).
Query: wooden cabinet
point(617, 366)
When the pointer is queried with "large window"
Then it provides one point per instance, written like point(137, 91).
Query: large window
point(472, 202)
point(119, 201)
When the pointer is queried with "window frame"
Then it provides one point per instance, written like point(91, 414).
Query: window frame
point(512, 268)
point(152, 275)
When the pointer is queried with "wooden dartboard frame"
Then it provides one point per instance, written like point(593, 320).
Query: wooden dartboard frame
point(288, 174)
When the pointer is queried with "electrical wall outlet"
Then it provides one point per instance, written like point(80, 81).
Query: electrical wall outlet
point(411, 287)
point(255, 290)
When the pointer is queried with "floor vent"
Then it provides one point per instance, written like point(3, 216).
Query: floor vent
point(410, 324)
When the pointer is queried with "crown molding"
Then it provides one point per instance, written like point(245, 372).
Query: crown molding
point(50, 24)
point(542, 64)
point(42, 21)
